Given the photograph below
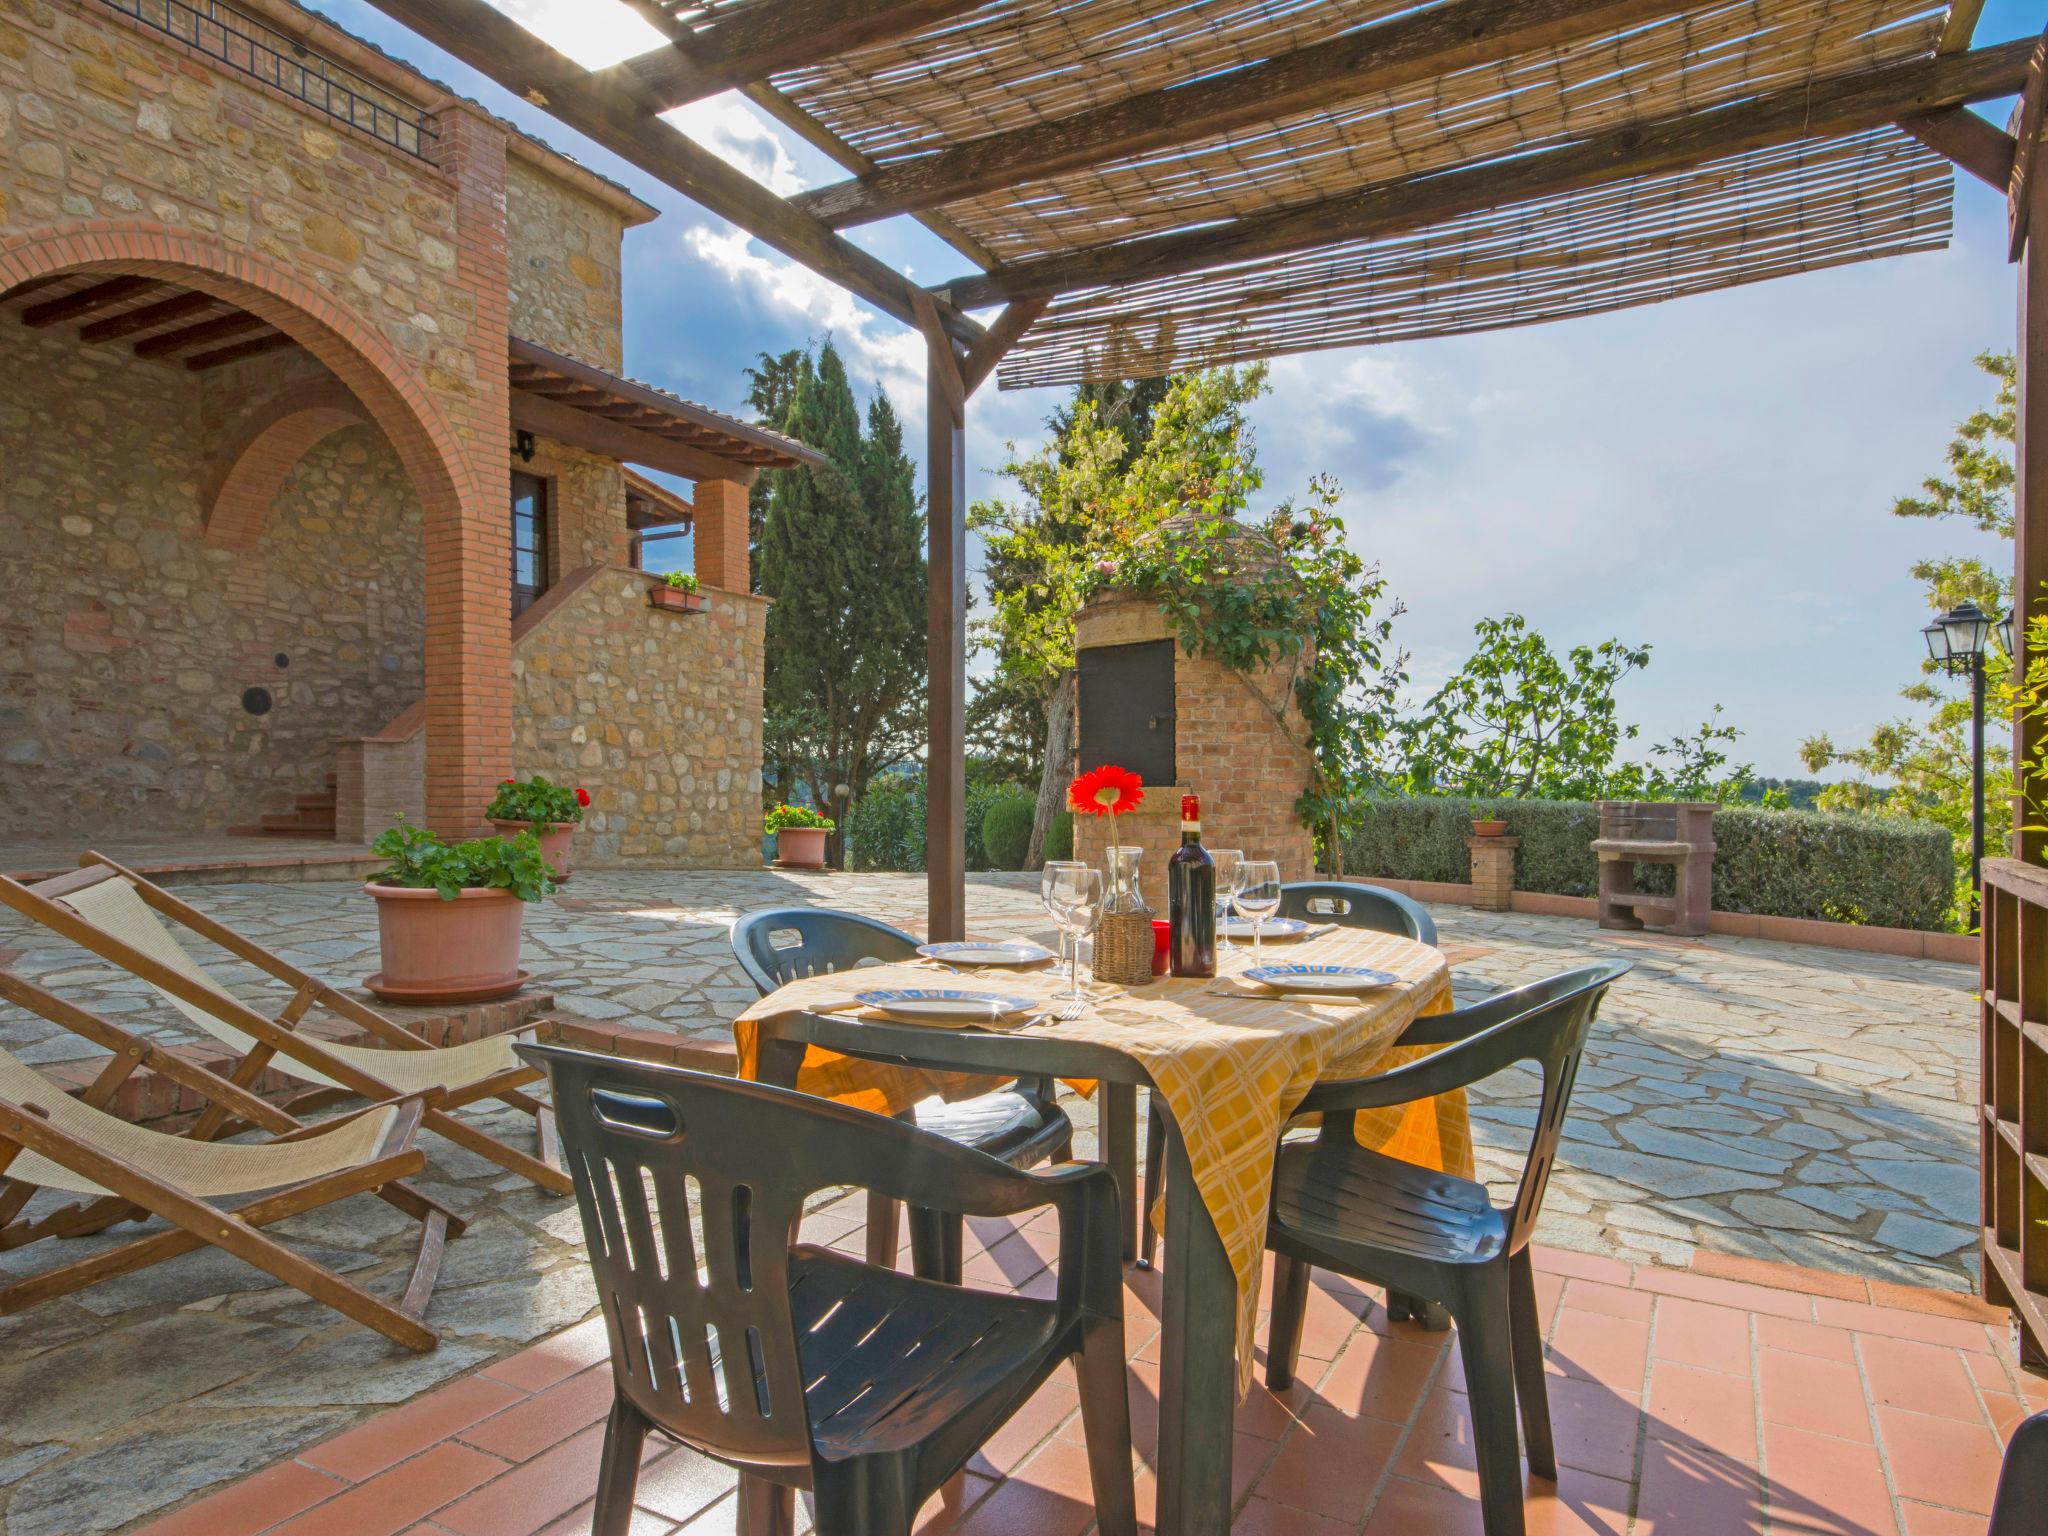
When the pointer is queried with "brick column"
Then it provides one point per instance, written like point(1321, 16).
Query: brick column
point(468, 553)
point(1493, 872)
point(721, 535)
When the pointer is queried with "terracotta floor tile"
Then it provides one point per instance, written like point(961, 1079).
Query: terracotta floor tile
point(1579, 1505)
point(577, 1523)
point(406, 1431)
point(540, 1366)
point(682, 1484)
point(1728, 1293)
point(1777, 1276)
point(1927, 1520)
point(1806, 1339)
point(1027, 1427)
point(1249, 1458)
point(1330, 1465)
point(1940, 1461)
point(1608, 1350)
point(1704, 1408)
point(1263, 1517)
point(399, 1495)
point(1380, 1378)
point(529, 1496)
point(1609, 1300)
point(1271, 1415)
point(1686, 1491)
point(2007, 1412)
point(1019, 1508)
point(1595, 1429)
point(722, 1519)
point(1925, 1378)
point(1328, 1321)
point(1824, 1397)
point(945, 1509)
point(1059, 1467)
point(1819, 1484)
point(1588, 1266)
point(1895, 1324)
point(1439, 1444)
point(1916, 1298)
point(1700, 1333)
point(255, 1504)
point(524, 1430)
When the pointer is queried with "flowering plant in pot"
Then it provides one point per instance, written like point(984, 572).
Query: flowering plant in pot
point(680, 592)
point(1124, 938)
point(799, 835)
point(548, 810)
point(449, 914)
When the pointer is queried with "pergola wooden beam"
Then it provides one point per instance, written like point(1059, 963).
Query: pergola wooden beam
point(1828, 108)
point(204, 334)
point(1961, 135)
point(85, 301)
point(1416, 46)
point(255, 346)
point(622, 116)
point(758, 40)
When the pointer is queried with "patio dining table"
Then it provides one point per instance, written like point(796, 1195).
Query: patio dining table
point(1228, 1059)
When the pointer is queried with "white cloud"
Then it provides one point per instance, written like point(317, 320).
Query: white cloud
point(740, 135)
point(595, 33)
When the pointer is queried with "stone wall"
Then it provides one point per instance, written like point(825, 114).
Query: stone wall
point(586, 507)
point(563, 267)
point(1240, 743)
point(657, 714)
point(127, 642)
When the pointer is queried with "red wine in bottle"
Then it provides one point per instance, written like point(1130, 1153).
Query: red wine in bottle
point(1191, 898)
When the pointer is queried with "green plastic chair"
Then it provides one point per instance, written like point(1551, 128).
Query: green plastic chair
point(1022, 1125)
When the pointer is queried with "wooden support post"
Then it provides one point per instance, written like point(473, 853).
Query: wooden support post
point(2030, 500)
point(946, 641)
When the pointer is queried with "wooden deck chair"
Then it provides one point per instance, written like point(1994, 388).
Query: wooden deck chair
point(51, 1141)
point(118, 915)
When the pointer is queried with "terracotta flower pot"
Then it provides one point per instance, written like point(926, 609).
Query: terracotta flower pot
point(554, 837)
point(800, 847)
point(675, 599)
point(435, 951)
point(1489, 828)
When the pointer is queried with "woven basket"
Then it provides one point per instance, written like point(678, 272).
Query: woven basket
point(1123, 948)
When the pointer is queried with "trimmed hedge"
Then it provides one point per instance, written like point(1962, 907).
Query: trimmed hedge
point(1006, 830)
point(1059, 835)
point(1880, 870)
point(885, 829)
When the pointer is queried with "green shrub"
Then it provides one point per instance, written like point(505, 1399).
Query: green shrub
point(417, 859)
point(1059, 836)
point(885, 827)
point(1006, 830)
point(1864, 869)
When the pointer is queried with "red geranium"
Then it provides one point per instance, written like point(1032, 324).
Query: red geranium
point(1106, 791)
point(582, 795)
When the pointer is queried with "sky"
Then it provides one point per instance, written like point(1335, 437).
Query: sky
point(1710, 476)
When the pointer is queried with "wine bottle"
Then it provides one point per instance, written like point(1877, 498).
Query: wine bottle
point(1191, 898)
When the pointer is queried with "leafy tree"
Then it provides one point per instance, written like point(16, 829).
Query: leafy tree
point(1927, 759)
point(842, 554)
point(1082, 497)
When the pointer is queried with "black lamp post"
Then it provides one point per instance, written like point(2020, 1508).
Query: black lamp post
point(1957, 641)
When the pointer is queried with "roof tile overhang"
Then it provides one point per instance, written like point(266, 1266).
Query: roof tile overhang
point(635, 423)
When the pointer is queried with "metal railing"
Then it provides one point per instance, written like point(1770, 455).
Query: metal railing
point(250, 46)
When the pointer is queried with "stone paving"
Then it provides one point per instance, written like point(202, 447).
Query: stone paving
point(1781, 1102)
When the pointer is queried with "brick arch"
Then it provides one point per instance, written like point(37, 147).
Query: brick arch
point(454, 458)
point(350, 348)
point(274, 437)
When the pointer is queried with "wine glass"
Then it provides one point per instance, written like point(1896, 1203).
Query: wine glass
point(1229, 864)
point(1257, 897)
point(1049, 883)
point(1076, 905)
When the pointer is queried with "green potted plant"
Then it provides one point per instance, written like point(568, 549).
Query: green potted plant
point(548, 810)
point(679, 592)
point(1485, 824)
point(799, 836)
point(449, 914)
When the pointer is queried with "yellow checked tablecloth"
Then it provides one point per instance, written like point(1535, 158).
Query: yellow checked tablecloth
point(1230, 1063)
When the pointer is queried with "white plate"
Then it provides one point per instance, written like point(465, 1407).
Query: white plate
point(987, 952)
point(945, 1005)
point(1276, 928)
point(1346, 980)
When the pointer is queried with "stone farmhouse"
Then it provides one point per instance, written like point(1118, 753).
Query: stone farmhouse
point(321, 496)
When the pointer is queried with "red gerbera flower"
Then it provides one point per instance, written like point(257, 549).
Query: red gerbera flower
point(1106, 791)
point(582, 795)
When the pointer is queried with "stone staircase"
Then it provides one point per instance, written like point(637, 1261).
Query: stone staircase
point(311, 816)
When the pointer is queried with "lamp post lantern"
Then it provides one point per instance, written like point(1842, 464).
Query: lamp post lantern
point(1957, 641)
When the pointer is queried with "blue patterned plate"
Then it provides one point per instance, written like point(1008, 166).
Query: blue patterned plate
point(944, 1005)
point(1347, 980)
point(1275, 928)
point(987, 952)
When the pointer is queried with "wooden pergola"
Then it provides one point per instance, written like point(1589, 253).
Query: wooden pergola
point(1146, 187)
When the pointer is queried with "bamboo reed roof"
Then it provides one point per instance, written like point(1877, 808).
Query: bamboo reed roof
point(1794, 207)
